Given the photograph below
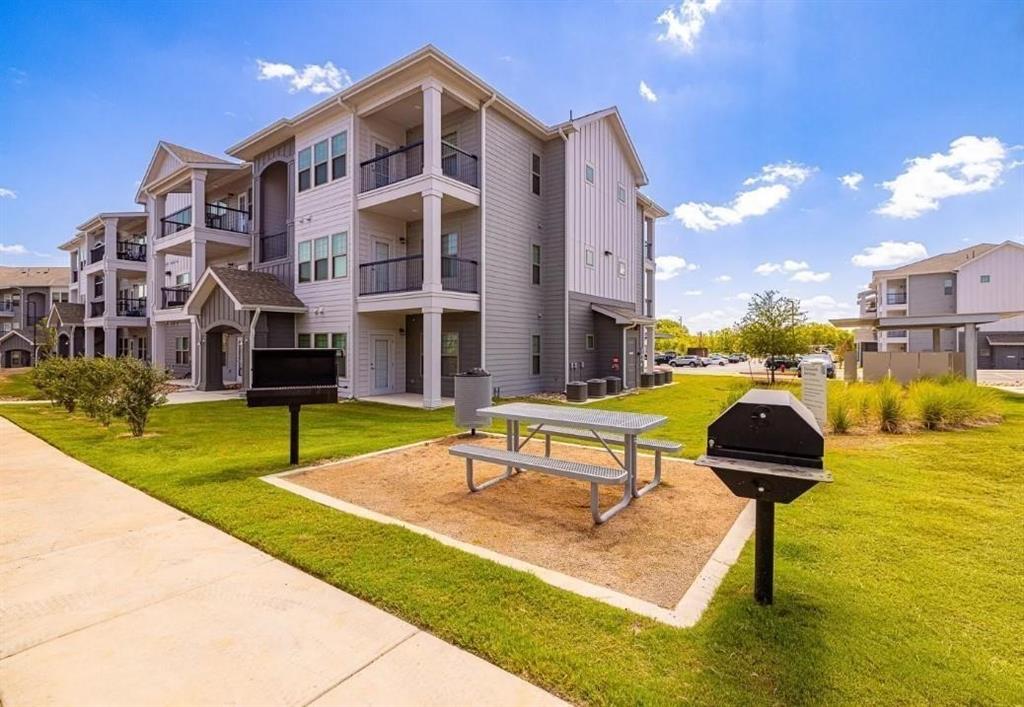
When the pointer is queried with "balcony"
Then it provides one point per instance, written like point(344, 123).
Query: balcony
point(131, 306)
point(273, 246)
point(216, 217)
point(129, 250)
point(175, 296)
point(895, 297)
point(96, 254)
point(96, 309)
point(406, 162)
point(406, 275)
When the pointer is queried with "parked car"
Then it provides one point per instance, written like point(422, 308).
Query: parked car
point(691, 361)
point(664, 357)
point(737, 357)
point(718, 359)
point(781, 363)
point(824, 358)
point(705, 360)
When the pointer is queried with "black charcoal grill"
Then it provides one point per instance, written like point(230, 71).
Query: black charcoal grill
point(293, 378)
point(766, 446)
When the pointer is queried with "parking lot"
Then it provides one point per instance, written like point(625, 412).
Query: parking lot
point(730, 369)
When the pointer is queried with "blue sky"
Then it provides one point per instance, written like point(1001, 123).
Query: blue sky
point(761, 109)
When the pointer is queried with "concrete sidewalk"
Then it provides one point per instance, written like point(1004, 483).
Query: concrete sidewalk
point(109, 597)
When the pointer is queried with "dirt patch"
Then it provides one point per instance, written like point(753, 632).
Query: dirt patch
point(652, 550)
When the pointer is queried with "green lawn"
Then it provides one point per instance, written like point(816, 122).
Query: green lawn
point(17, 385)
point(900, 582)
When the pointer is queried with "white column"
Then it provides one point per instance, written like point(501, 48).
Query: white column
point(199, 197)
point(157, 344)
point(110, 341)
point(109, 292)
point(156, 262)
point(432, 241)
point(971, 352)
point(156, 282)
point(198, 259)
point(431, 357)
point(110, 238)
point(90, 342)
point(432, 127)
point(196, 353)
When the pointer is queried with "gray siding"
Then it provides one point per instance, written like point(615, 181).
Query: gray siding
point(275, 330)
point(553, 283)
point(174, 330)
point(596, 363)
point(219, 309)
point(926, 295)
point(921, 340)
point(465, 324)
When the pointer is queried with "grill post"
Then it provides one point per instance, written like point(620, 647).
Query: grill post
point(764, 552)
point(293, 411)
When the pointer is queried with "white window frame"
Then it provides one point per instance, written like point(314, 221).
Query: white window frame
point(335, 254)
point(332, 156)
point(299, 169)
point(589, 258)
point(985, 279)
point(620, 193)
point(182, 351)
point(535, 356)
point(536, 258)
point(589, 173)
point(326, 162)
point(450, 335)
point(622, 268)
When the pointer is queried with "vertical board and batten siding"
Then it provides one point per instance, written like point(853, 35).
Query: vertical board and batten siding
point(1005, 290)
point(597, 219)
point(218, 309)
point(514, 308)
point(172, 331)
point(926, 295)
point(318, 212)
point(275, 330)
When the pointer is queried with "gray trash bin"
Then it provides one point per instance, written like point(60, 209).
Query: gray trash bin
point(613, 384)
point(596, 388)
point(472, 392)
point(576, 391)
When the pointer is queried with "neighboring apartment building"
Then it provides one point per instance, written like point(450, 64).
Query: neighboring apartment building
point(26, 296)
point(976, 292)
point(418, 222)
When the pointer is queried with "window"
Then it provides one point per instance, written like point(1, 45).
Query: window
point(535, 267)
point(588, 257)
point(449, 249)
point(182, 351)
point(305, 168)
point(143, 348)
point(449, 353)
point(339, 255)
point(588, 173)
point(339, 342)
point(60, 297)
point(182, 279)
point(303, 341)
point(985, 279)
point(320, 341)
point(622, 268)
point(320, 163)
point(947, 287)
point(305, 261)
point(339, 155)
point(321, 250)
point(535, 174)
point(124, 346)
point(590, 342)
point(620, 194)
point(535, 355)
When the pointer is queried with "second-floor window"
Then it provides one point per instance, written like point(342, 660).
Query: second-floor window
point(947, 287)
point(535, 173)
point(339, 254)
point(320, 163)
point(622, 268)
point(315, 258)
point(339, 153)
point(182, 279)
point(535, 264)
point(985, 279)
point(305, 168)
point(588, 173)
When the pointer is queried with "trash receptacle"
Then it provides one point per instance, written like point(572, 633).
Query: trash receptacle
point(576, 391)
point(596, 388)
point(472, 392)
point(613, 384)
point(646, 380)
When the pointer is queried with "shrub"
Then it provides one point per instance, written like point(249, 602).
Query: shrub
point(841, 411)
point(138, 391)
point(970, 404)
point(56, 378)
point(98, 381)
point(890, 410)
point(930, 401)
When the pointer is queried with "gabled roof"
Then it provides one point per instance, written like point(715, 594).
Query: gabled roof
point(944, 262)
point(15, 332)
point(247, 289)
point(66, 314)
point(15, 276)
point(612, 115)
point(185, 157)
point(652, 206)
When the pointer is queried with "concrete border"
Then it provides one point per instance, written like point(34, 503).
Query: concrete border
point(686, 613)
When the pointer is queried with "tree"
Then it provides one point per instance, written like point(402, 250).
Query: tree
point(140, 389)
point(771, 326)
point(671, 335)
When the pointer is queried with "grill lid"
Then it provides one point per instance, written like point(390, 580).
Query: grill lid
point(768, 426)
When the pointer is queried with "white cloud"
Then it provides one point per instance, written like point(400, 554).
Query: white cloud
point(693, 293)
point(742, 296)
point(723, 278)
point(668, 266)
point(683, 27)
point(713, 319)
point(767, 268)
point(822, 307)
point(16, 249)
point(794, 265)
point(8, 193)
point(810, 276)
point(852, 180)
point(972, 165)
point(756, 201)
point(647, 94)
point(315, 78)
point(889, 253)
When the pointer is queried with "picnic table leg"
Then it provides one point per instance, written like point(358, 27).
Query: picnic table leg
point(473, 486)
point(595, 511)
point(510, 441)
point(655, 481)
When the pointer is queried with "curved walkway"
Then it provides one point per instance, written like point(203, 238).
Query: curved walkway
point(110, 597)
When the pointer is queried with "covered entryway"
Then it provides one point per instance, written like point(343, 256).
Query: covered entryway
point(1006, 350)
point(223, 357)
point(15, 350)
point(67, 318)
point(64, 346)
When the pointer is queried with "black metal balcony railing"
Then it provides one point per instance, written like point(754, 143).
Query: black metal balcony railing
point(129, 250)
point(273, 246)
point(406, 274)
point(391, 167)
point(131, 306)
point(895, 297)
point(224, 218)
point(459, 164)
point(175, 296)
point(96, 254)
point(96, 308)
point(178, 221)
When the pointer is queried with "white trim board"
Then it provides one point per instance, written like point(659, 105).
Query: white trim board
point(685, 614)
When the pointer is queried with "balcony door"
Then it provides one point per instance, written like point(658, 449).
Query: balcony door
point(382, 166)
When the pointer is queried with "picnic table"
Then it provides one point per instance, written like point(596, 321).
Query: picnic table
point(606, 427)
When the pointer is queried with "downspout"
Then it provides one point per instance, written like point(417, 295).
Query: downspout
point(565, 246)
point(483, 226)
point(252, 342)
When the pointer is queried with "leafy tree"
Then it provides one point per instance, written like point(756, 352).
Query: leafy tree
point(673, 336)
point(99, 380)
point(771, 326)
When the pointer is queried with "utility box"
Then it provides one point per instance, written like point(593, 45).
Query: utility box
point(472, 392)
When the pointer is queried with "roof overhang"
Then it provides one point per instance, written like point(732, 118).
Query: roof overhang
point(209, 281)
point(650, 206)
point(935, 321)
point(1019, 341)
point(622, 316)
point(15, 332)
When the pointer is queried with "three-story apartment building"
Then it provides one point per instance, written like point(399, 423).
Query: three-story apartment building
point(26, 296)
point(419, 223)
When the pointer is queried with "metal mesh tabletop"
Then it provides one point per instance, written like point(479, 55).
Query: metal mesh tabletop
point(584, 418)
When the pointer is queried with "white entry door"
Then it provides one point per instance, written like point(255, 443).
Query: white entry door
point(381, 363)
